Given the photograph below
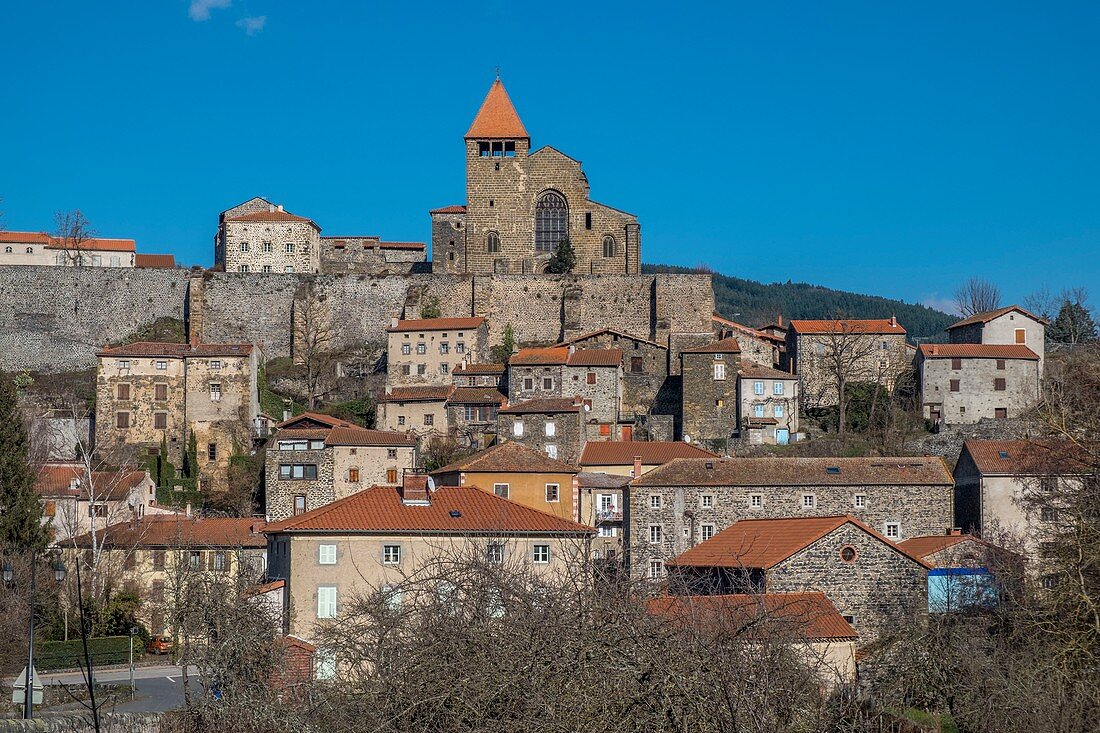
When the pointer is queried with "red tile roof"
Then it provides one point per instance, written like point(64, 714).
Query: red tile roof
point(890, 471)
point(550, 356)
point(927, 545)
point(976, 351)
point(436, 324)
point(177, 530)
point(92, 244)
point(418, 394)
point(497, 117)
point(477, 395)
point(851, 325)
point(595, 358)
point(808, 616)
point(621, 453)
point(725, 346)
point(276, 215)
point(449, 210)
point(314, 418)
point(365, 437)
point(55, 480)
point(547, 405)
point(508, 457)
point(472, 369)
point(1027, 457)
point(156, 348)
point(988, 316)
point(25, 237)
point(451, 510)
point(764, 543)
point(167, 261)
point(750, 370)
point(747, 330)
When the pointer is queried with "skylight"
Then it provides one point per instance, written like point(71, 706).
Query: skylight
point(832, 469)
point(1003, 454)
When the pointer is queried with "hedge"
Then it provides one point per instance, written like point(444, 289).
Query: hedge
point(70, 654)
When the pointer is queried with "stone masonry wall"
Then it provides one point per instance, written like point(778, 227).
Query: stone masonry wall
point(281, 492)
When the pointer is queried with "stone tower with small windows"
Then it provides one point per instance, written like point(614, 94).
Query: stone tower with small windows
point(520, 205)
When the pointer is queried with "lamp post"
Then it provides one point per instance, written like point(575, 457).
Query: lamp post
point(9, 577)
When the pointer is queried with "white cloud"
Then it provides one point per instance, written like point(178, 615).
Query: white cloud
point(200, 9)
point(940, 303)
point(252, 24)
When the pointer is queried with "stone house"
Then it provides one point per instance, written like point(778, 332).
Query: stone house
point(709, 393)
point(369, 255)
point(38, 248)
point(480, 375)
point(553, 426)
point(427, 350)
point(635, 458)
point(472, 415)
point(75, 501)
point(993, 479)
point(966, 383)
point(689, 500)
point(593, 376)
point(644, 365)
point(865, 350)
point(524, 475)
point(148, 392)
point(154, 555)
point(872, 581)
point(315, 459)
point(768, 404)
point(520, 205)
point(1008, 326)
point(258, 236)
point(759, 347)
point(377, 539)
point(422, 410)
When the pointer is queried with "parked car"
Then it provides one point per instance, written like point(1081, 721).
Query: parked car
point(160, 645)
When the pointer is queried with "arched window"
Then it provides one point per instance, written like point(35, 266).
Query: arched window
point(551, 221)
point(7, 250)
point(609, 246)
point(30, 250)
point(493, 242)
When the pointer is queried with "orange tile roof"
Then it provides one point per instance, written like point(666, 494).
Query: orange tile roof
point(548, 405)
point(1027, 457)
point(454, 510)
point(55, 480)
point(273, 216)
point(365, 437)
point(751, 370)
point(748, 330)
point(488, 369)
point(259, 590)
point(764, 543)
point(448, 210)
point(178, 530)
point(469, 395)
point(976, 351)
point(621, 453)
point(988, 316)
point(851, 325)
point(807, 616)
point(92, 244)
point(402, 245)
point(309, 418)
point(25, 237)
point(508, 457)
point(436, 324)
point(156, 348)
point(497, 117)
point(418, 394)
point(538, 356)
point(927, 545)
point(595, 358)
point(167, 261)
point(889, 471)
point(725, 346)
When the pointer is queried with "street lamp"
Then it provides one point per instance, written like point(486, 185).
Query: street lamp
point(9, 575)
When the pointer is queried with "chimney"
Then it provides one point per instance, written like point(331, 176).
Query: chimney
point(637, 467)
point(575, 484)
point(280, 207)
point(779, 320)
point(572, 349)
point(271, 208)
point(935, 350)
point(893, 321)
point(187, 509)
point(393, 323)
point(954, 531)
point(414, 488)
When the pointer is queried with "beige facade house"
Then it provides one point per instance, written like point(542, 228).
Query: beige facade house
point(967, 383)
point(768, 402)
point(316, 459)
point(259, 236)
point(76, 501)
point(1008, 326)
point(426, 351)
point(421, 410)
point(148, 392)
point(521, 204)
point(38, 248)
point(378, 539)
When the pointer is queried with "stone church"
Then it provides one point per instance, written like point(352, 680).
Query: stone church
point(521, 204)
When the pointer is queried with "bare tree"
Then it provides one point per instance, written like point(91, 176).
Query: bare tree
point(977, 295)
point(845, 354)
point(72, 235)
point(313, 346)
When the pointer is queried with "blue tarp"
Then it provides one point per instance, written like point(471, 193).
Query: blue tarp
point(956, 589)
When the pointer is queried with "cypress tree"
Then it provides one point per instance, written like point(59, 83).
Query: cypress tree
point(564, 259)
point(20, 511)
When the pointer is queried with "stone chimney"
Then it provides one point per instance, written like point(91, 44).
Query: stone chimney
point(572, 349)
point(414, 488)
point(893, 321)
point(637, 467)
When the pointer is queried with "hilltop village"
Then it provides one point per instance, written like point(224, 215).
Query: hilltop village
point(325, 417)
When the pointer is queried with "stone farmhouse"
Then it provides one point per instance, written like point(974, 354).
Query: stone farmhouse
point(75, 501)
point(552, 425)
point(520, 205)
point(315, 459)
point(709, 406)
point(871, 580)
point(1008, 326)
point(594, 376)
point(966, 383)
point(644, 364)
point(757, 346)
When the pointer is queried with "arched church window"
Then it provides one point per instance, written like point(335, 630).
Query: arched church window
point(493, 242)
point(551, 221)
point(609, 246)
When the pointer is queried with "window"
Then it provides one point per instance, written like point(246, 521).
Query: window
point(605, 429)
point(219, 561)
point(122, 420)
point(551, 221)
point(758, 411)
point(706, 501)
point(97, 261)
point(243, 246)
point(1001, 364)
point(719, 371)
point(406, 349)
point(547, 382)
point(999, 384)
point(265, 268)
point(1049, 514)
point(552, 492)
point(215, 392)
point(391, 453)
point(656, 568)
point(162, 364)
point(353, 475)
point(211, 451)
point(444, 368)
point(324, 665)
point(590, 378)
point(756, 500)
point(893, 530)
point(1021, 336)
point(297, 471)
point(636, 364)
point(429, 419)
point(777, 388)
point(809, 501)
point(501, 490)
point(758, 388)
point(158, 559)
point(326, 555)
point(160, 392)
point(400, 419)
point(422, 348)
point(1000, 413)
point(299, 504)
point(552, 451)
point(848, 553)
point(460, 348)
point(517, 428)
point(706, 532)
point(608, 246)
point(777, 410)
point(954, 385)
point(655, 534)
point(194, 560)
point(391, 554)
point(550, 428)
point(267, 247)
point(528, 383)
point(493, 242)
point(115, 260)
point(123, 363)
point(444, 348)
point(124, 392)
point(326, 601)
point(1049, 581)
point(541, 554)
point(7, 250)
point(655, 501)
point(494, 553)
point(160, 420)
point(956, 364)
point(859, 501)
point(289, 248)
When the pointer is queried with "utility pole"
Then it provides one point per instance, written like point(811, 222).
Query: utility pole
point(28, 693)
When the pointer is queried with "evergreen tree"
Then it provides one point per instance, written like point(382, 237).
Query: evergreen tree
point(1074, 325)
point(564, 259)
point(20, 512)
point(502, 351)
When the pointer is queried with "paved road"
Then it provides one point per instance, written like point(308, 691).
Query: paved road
point(158, 688)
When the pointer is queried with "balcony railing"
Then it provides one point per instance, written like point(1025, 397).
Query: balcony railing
point(609, 515)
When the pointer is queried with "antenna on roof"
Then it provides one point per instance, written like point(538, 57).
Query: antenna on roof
point(498, 73)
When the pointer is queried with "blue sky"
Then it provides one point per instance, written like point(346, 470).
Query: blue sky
point(891, 148)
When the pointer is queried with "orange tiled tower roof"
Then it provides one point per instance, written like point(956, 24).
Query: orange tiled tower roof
point(497, 117)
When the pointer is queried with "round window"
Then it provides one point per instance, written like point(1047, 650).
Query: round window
point(848, 553)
